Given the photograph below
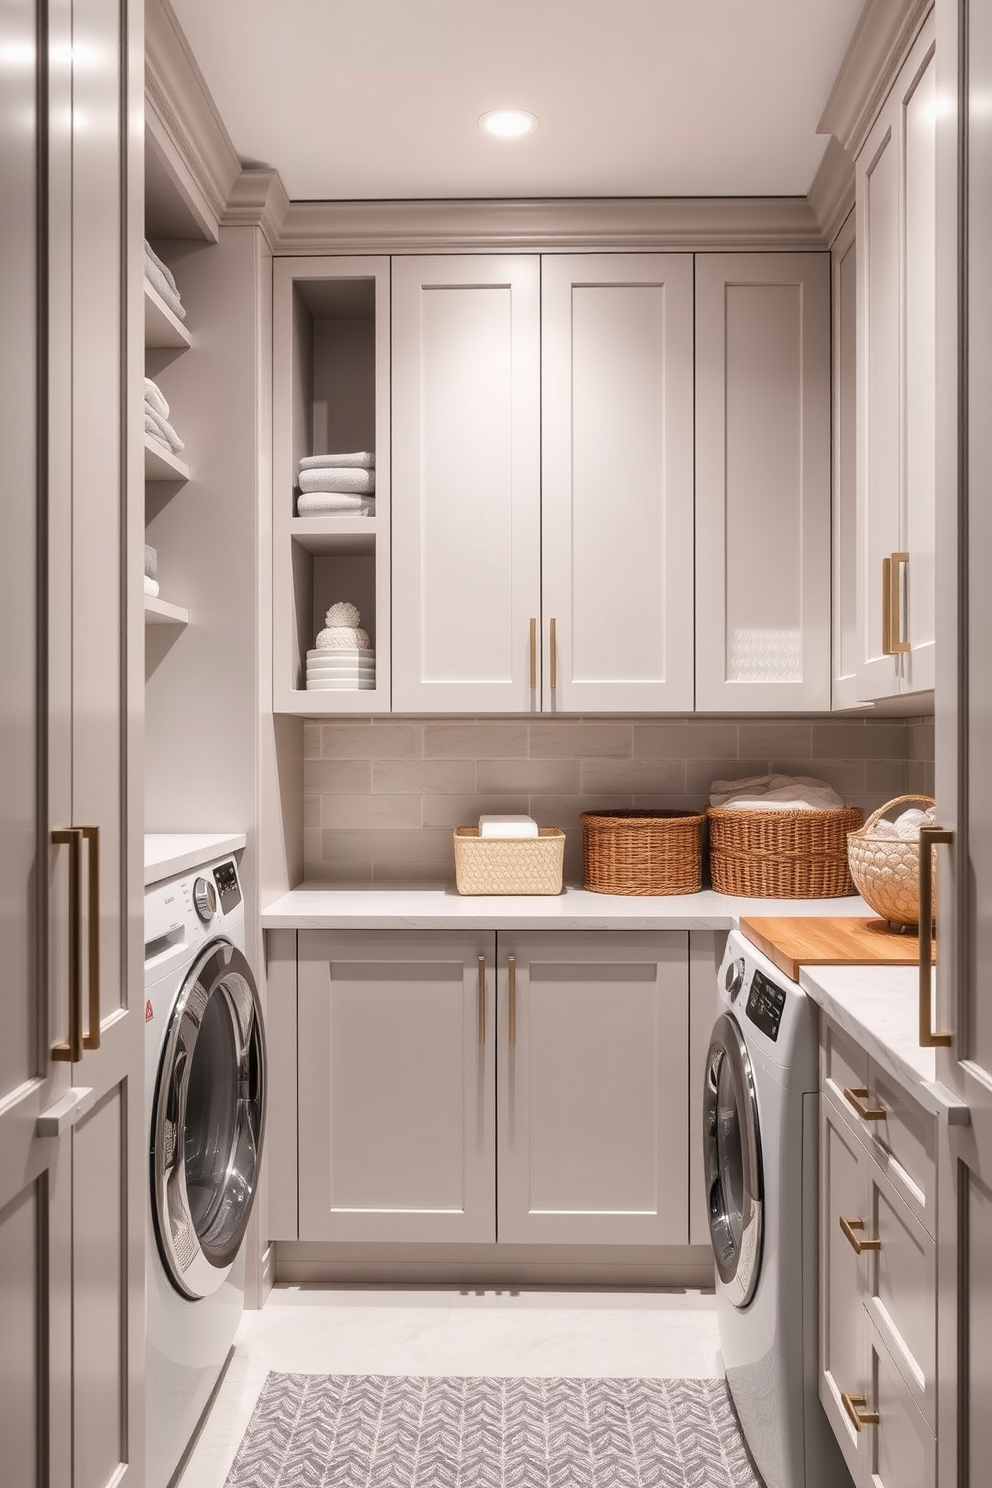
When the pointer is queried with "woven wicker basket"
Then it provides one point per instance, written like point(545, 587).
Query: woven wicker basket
point(886, 870)
point(642, 852)
point(781, 854)
point(508, 865)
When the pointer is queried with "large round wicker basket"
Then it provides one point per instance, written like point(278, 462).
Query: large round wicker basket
point(886, 870)
point(768, 854)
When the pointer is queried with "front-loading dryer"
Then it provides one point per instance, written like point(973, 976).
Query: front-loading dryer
point(760, 1116)
point(205, 1107)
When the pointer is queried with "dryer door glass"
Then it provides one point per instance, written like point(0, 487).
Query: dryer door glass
point(732, 1159)
point(208, 1115)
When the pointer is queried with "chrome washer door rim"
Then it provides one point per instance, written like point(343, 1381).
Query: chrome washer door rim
point(215, 1024)
point(735, 1230)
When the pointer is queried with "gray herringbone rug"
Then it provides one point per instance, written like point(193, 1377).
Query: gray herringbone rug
point(379, 1431)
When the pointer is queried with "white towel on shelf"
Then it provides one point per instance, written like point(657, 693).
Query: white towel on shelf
point(160, 429)
point(360, 460)
point(151, 562)
point(151, 586)
point(162, 267)
point(334, 504)
point(160, 285)
point(154, 399)
point(776, 793)
point(354, 481)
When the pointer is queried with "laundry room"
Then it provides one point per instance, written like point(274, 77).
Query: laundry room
point(494, 826)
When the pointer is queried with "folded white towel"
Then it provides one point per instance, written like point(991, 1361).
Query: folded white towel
point(357, 482)
point(507, 826)
point(360, 460)
point(162, 267)
point(906, 827)
point(151, 562)
point(162, 430)
point(776, 792)
point(160, 285)
point(154, 399)
point(151, 586)
point(334, 504)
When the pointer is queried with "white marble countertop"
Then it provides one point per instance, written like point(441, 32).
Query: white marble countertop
point(879, 1007)
point(316, 907)
point(167, 853)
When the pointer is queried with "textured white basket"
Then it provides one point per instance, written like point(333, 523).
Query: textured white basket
point(508, 865)
point(886, 870)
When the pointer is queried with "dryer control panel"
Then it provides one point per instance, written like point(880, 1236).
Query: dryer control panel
point(226, 879)
point(765, 1003)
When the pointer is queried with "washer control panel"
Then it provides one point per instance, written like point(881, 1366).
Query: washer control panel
point(765, 1004)
point(226, 879)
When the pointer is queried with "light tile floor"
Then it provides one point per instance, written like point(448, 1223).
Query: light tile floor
point(453, 1331)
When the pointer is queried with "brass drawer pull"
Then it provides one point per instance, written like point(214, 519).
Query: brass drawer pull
point(553, 648)
point(533, 656)
point(896, 644)
point(929, 837)
point(91, 1039)
point(849, 1226)
point(854, 1405)
point(72, 1051)
point(856, 1095)
point(482, 999)
point(512, 964)
point(887, 607)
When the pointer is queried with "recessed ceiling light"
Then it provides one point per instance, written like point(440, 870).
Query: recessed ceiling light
point(508, 123)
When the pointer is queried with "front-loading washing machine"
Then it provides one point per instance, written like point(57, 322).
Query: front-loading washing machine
point(205, 1106)
point(760, 1115)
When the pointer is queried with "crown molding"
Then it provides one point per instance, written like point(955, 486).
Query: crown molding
point(881, 39)
point(580, 225)
point(258, 199)
point(831, 195)
point(183, 119)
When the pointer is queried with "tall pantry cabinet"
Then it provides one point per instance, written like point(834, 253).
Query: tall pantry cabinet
point(71, 1150)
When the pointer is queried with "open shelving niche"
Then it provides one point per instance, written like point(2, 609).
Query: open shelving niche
point(331, 391)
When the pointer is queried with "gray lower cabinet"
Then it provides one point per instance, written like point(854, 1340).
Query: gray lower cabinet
point(471, 1086)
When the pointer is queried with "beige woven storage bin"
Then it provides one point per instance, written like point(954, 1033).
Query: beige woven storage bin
point(781, 854)
point(642, 852)
point(886, 870)
point(508, 865)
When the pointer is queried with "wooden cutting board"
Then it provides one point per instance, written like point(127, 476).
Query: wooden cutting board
point(831, 940)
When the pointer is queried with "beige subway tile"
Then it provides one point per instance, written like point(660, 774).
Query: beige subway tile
point(865, 740)
point(525, 777)
point(424, 777)
point(370, 813)
point(371, 741)
point(700, 774)
point(886, 775)
point(464, 811)
point(311, 739)
point(847, 776)
point(771, 738)
point(554, 740)
point(337, 777)
point(344, 875)
point(633, 775)
point(565, 811)
point(662, 802)
point(920, 776)
point(920, 741)
point(311, 814)
point(311, 851)
point(685, 740)
point(475, 741)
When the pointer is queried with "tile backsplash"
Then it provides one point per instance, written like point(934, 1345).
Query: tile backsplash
point(382, 795)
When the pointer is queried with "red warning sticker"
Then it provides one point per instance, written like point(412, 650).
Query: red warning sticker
point(149, 1010)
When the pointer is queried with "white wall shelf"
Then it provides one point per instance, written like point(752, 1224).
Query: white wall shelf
point(160, 612)
point(161, 464)
point(325, 535)
point(163, 329)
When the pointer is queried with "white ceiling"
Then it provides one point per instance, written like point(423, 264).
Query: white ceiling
point(367, 99)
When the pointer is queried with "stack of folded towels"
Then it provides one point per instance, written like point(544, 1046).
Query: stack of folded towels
point(340, 485)
point(151, 571)
point(776, 793)
point(343, 658)
point(157, 418)
point(159, 276)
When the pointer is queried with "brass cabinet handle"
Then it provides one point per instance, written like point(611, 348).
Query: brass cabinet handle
point(854, 1405)
point(849, 1226)
point(856, 1095)
point(897, 644)
point(482, 999)
point(929, 837)
point(512, 963)
point(72, 1051)
point(553, 647)
point(533, 656)
point(91, 1039)
point(887, 607)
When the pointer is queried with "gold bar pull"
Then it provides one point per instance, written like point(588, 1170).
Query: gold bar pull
point(896, 643)
point(854, 1405)
point(533, 656)
point(849, 1226)
point(553, 648)
point(482, 999)
point(72, 1051)
point(929, 838)
point(512, 963)
point(91, 1039)
point(856, 1095)
point(886, 606)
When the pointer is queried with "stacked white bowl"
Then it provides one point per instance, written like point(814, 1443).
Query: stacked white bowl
point(342, 659)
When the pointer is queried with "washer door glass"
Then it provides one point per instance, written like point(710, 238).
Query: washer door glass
point(207, 1121)
point(732, 1159)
